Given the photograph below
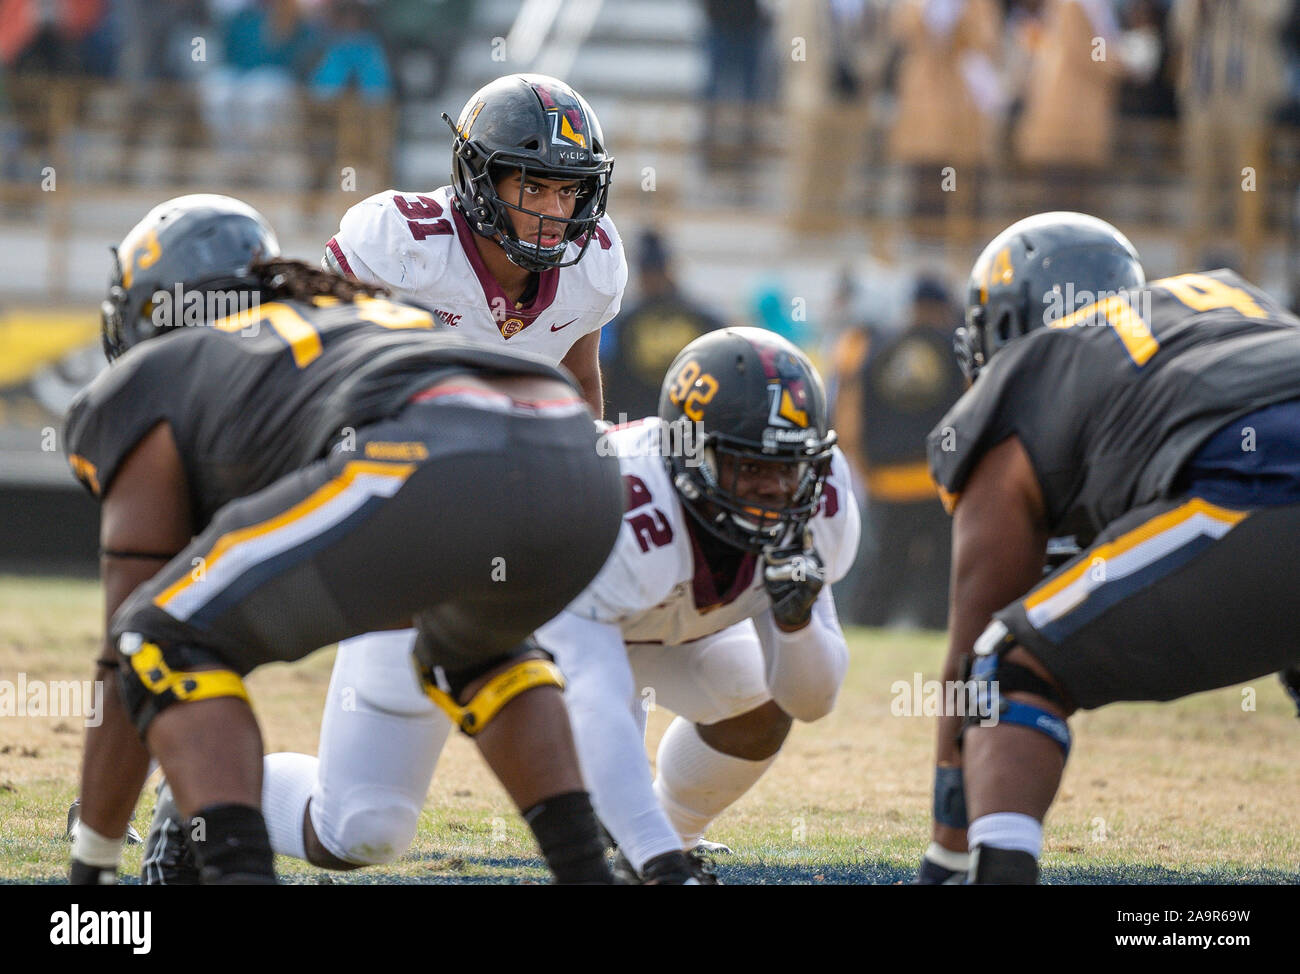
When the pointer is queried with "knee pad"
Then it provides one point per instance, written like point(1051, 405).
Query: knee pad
point(374, 827)
point(524, 675)
point(994, 677)
point(154, 678)
point(731, 674)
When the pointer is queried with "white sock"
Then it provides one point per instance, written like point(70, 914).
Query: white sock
point(93, 849)
point(1007, 830)
point(695, 783)
point(287, 781)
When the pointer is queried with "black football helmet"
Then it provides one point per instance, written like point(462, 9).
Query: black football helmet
point(541, 127)
point(749, 394)
point(1024, 278)
point(202, 242)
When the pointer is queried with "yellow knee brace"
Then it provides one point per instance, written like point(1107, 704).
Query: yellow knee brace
point(495, 694)
point(150, 685)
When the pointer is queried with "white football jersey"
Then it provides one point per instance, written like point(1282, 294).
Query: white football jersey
point(419, 246)
point(654, 585)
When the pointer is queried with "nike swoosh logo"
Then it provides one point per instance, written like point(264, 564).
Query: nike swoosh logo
point(565, 325)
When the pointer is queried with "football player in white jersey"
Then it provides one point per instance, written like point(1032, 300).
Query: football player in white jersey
point(516, 253)
point(714, 597)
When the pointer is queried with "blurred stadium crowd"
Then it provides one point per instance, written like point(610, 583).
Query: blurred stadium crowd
point(819, 167)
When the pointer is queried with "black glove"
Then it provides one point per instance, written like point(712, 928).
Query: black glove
point(793, 576)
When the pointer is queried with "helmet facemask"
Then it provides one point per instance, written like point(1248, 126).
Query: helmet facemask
point(710, 491)
point(110, 312)
point(476, 174)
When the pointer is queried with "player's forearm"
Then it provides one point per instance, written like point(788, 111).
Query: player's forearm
point(999, 537)
point(805, 668)
point(593, 392)
point(114, 765)
point(115, 762)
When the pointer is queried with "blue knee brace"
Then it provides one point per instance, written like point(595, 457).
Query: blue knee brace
point(990, 670)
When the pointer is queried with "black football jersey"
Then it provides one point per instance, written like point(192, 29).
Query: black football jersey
point(257, 395)
point(1110, 402)
point(908, 383)
point(645, 340)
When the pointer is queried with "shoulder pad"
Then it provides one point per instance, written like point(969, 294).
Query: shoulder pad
point(379, 243)
point(837, 526)
point(604, 265)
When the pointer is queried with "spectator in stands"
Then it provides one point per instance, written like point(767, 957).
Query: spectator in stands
point(353, 55)
point(1230, 82)
point(640, 344)
point(423, 38)
point(46, 39)
point(1146, 97)
point(1071, 100)
point(268, 48)
point(771, 308)
point(830, 94)
point(158, 39)
point(735, 42)
point(1146, 89)
point(892, 391)
point(949, 94)
point(56, 37)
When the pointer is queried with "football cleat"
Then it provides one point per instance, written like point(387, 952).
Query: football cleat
point(168, 857)
point(624, 873)
point(706, 848)
point(74, 819)
point(933, 874)
point(942, 867)
point(670, 869)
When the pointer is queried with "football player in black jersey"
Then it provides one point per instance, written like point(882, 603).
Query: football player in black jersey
point(309, 462)
point(1157, 422)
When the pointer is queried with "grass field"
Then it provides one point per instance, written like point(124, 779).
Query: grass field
point(1200, 791)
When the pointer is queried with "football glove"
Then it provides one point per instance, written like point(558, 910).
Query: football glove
point(1290, 678)
point(793, 576)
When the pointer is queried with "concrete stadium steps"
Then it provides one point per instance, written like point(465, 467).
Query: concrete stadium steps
point(637, 51)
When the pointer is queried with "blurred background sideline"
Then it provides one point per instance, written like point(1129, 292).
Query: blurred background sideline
point(825, 168)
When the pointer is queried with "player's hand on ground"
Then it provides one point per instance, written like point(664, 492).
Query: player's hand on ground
point(793, 576)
